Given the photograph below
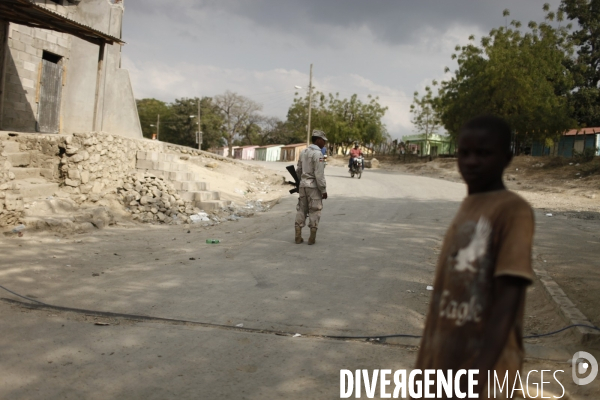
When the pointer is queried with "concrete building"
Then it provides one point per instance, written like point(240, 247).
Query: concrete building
point(270, 152)
point(433, 144)
point(223, 151)
point(291, 152)
point(245, 152)
point(574, 140)
point(60, 68)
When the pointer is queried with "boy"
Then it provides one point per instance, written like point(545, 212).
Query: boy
point(475, 318)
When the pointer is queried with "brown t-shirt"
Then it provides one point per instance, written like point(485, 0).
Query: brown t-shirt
point(490, 236)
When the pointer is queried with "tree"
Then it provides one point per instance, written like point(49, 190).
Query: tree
point(148, 111)
point(585, 98)
point(236, 111)
point(519, 76)
point(343, 120)
point(425, 117)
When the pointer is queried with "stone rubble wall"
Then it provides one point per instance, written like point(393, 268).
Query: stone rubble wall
point(87, 166)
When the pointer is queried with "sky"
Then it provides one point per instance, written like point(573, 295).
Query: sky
point(262, 49)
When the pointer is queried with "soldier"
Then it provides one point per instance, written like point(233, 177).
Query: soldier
point(313, 189)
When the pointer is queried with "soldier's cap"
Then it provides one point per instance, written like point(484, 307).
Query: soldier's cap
point(318, 133)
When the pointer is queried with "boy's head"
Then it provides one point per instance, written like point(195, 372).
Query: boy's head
point(484, 151)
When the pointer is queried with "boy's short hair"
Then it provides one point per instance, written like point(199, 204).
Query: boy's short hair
point(494, 125)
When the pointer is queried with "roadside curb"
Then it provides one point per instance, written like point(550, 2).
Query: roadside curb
point(566, 307)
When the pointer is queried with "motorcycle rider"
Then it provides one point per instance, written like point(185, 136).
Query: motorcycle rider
point(355, 153)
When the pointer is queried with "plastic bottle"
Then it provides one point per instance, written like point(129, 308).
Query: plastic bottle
point(213, 241)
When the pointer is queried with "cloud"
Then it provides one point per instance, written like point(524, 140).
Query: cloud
point(261, 49)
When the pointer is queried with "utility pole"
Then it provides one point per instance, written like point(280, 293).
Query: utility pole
point(309, 106)
point(157, 126)
point(199, 127)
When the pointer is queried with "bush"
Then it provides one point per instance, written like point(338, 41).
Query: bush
point(586, 155)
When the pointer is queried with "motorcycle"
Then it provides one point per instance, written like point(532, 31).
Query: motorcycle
point(356, 167)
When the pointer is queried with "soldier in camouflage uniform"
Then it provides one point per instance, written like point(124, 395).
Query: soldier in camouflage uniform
point(313, 189)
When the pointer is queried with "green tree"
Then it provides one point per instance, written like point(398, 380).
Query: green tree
point(519, 76)
point(585, 67)
point(425, 117)
point(343, 120)
point(148, 111)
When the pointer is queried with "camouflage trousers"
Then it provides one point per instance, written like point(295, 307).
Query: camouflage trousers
point(310, 203)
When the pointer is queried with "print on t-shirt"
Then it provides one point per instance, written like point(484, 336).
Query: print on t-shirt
point(464, 299)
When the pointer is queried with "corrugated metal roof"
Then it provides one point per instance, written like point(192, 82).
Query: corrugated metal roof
point(296, 145)
point(25, 12)
point(583, 131)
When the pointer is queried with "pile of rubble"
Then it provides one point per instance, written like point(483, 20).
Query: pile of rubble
point(154, 200)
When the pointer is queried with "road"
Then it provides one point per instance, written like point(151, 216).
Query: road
point(367, 275)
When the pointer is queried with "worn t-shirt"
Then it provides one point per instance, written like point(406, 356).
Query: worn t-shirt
point(490, 236)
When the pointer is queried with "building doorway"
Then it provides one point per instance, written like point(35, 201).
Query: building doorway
point(48, 120)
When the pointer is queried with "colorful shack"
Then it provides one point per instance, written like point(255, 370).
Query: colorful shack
point(270, 152)
point(291, 152)
point(572, 141)
point(245, 152)
point(223, 151)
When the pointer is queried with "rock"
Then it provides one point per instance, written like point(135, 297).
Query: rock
point(85, 176)
point(97, 188)
point(72, 182)
point(74, 174)
point(154, 210)
point(14, 202)
point(77, 158)
point(85, 189)
point(70, 150)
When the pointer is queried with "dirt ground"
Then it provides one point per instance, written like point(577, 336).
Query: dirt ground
point(548, 183)
point(256, 277)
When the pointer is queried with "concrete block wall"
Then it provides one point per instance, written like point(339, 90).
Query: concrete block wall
point(23, 62)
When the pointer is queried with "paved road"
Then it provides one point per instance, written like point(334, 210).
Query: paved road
point(367, 275)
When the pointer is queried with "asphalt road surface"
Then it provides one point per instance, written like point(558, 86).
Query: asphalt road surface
point(367, 275)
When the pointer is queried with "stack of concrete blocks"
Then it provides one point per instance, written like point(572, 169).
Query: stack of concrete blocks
point(171, 167)
point(28, 179)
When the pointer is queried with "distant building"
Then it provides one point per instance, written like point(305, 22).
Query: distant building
point(432, 144)
point(268, 153)
point(244, 152)
point(574, 140)
point(291, 152)
point(223, 151)
point(60, 68)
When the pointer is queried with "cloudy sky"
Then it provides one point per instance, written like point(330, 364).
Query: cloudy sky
point(263, 48)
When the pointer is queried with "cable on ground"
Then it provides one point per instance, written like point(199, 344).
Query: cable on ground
point(208, 324)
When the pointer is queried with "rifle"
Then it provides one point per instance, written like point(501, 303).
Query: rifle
point(296, 182)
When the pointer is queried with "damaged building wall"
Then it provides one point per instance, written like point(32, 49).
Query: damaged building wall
point(94, 93)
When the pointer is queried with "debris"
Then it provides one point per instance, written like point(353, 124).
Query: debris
point(102, 323)
point(297, 335)
point(192, 258)
point(213, 241)
point(240, 325)
point(548, 215)
point(199, 217)
point(429, 287)
point(95, 274)
point(18, 228)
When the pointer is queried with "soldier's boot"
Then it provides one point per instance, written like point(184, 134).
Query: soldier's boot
point(313, 236)
point(299, 235)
